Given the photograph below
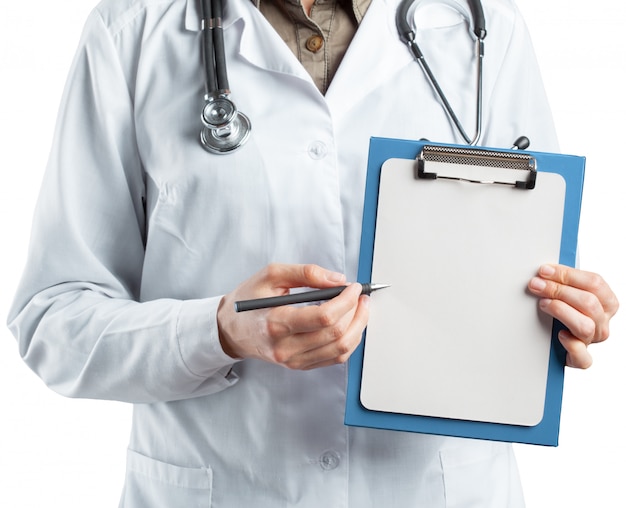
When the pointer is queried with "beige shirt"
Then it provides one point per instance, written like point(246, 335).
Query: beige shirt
point(321, 40)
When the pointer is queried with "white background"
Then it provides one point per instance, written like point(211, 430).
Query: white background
point(70, 453)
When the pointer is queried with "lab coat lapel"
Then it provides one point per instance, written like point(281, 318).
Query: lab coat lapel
point(192, 15)
point(376, 41)
point(262, 46)
point(259, 43)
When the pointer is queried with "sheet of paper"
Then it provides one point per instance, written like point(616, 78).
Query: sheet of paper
point(457, 335)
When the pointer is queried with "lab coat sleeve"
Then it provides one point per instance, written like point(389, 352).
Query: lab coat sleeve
point(76, 315)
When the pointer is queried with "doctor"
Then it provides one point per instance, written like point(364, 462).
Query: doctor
point(142, 241)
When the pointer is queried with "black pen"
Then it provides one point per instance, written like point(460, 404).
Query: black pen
point(316, 295)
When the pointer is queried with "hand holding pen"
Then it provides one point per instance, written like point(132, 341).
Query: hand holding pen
point(297, 337)
point(317, 295)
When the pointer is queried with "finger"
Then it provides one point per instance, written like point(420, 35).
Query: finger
point(586, 281)
point(582, 300)
point(338, 350)
point(291, 320)
point(297, 330)
point(578, 355)
point(289, 276)
point(580, 325)
point(316, 350)
point(277, 280)
point(579, 309)
point(255, 335)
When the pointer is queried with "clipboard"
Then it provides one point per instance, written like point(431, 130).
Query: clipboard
point(457, 345)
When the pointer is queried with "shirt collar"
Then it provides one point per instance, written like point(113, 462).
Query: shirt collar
point(192, 15)
point(357, 7)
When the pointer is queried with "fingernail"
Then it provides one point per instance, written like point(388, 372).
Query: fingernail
point(547, 270)
point(544, 303)
point(537, 284)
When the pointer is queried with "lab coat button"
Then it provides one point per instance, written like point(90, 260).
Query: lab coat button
point(314, 43)
point(317, 150)
point(329, 460)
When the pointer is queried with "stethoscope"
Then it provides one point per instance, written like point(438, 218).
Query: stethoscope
point(225, 128)
point(478, 30)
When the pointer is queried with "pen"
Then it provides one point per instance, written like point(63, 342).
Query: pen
point(316, 295)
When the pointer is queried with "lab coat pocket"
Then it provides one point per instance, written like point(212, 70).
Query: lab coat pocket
point(154, 484)
point(481, 474)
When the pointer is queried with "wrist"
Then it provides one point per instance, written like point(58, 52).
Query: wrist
point(226, 341)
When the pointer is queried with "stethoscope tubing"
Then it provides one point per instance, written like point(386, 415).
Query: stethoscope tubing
point(218, 42)
point(407, 35)
point(233, 132)
point(208, 51)
point(225, 128)
point(216, 76)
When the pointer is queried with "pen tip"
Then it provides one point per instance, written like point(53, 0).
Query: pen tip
point(374, 287)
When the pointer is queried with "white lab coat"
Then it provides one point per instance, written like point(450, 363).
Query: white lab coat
point(138, 231)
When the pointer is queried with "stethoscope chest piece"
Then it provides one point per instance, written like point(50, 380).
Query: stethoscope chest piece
point(218, 111)
point(228, 136)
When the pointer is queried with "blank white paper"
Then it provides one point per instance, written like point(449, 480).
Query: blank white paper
point(457, 335)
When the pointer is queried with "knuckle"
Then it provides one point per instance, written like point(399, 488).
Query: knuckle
point(296, 363)
point(556, 291)
point(282, 357)
point(587, 329)
point(613, 305)
point(275, 329)
point(596, 282)
point(271, 271)
point(590, 301)
point(337, 334)
point(563, 274)
point(341, 359)
point(325, 319)
point(310, 271)
point(603, 332)
point(291, 365)
point(343, 348)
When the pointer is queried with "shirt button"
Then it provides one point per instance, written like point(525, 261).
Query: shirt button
point(329, 460)
point(317, 150)
point(314, 43)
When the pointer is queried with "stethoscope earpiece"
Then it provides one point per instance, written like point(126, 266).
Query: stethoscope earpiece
point(521, 143)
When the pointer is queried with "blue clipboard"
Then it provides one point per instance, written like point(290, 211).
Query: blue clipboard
point(546, 432)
